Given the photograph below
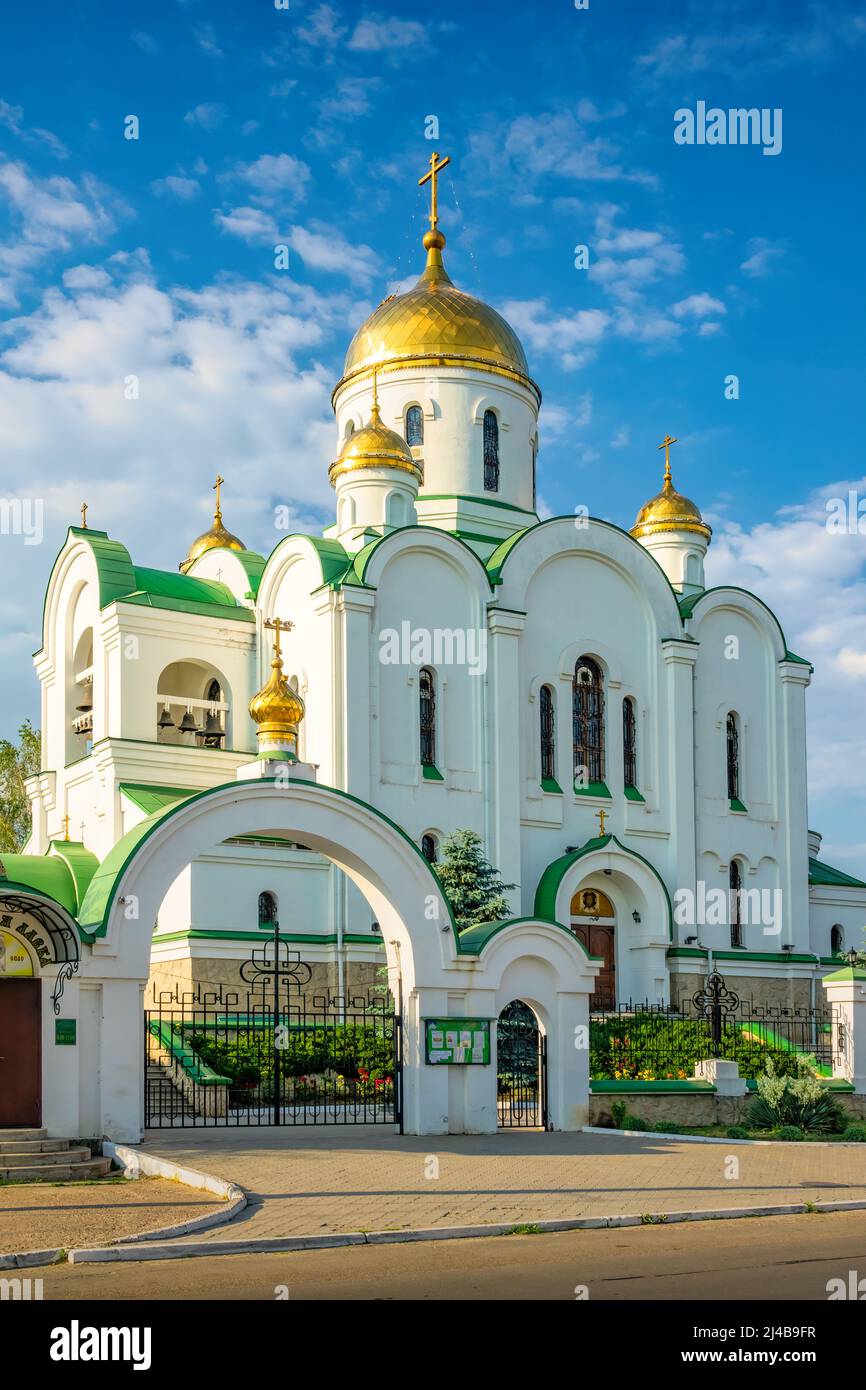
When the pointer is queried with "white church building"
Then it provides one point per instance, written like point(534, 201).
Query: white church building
point(629, 744)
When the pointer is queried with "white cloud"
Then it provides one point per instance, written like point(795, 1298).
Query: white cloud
point(250, 224)
point(322, 247)
point(351, 99)
point(206, 40)
point(86, 277)
point(622, 438)
point(555, 145)
point(176, 187)
point(275, 176)
point(762, 256)
point(12, 118)
point(549, 332)
point(374, 35)
point(698, 306)
point(323, 29)
point(208, 115)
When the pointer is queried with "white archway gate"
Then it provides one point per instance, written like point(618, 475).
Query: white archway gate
point(433, 974)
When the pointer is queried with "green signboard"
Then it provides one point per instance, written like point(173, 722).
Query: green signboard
point(64, 1032)
point(457, 1041)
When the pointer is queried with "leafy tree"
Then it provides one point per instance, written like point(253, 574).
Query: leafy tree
point(17, 762)
point(470, 882)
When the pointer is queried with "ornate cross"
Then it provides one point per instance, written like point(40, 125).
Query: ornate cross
point(601, 820)
point(277, 625)
point(66, 827)
point(216, 488)
point(84, 515)
point(436, 167)
point(666, 445)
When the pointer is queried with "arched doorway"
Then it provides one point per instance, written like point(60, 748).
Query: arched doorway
point(20, 1036)
point(593, 921)
point(521, 1069)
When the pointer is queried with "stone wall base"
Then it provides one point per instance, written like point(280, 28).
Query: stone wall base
point(696, 1109)
point(188, 975)
point(762, 991)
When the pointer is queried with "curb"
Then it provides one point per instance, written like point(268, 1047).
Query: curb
point(31, 1259)
point(712, 1139)
point(136, 1163)
point(278, 1244)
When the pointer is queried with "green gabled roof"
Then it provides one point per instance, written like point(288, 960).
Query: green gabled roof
point(548, 884)
point(472, 940)
point(82, 864)
point(689, 603)
point(252, 563)
point(184, 594)
point(357, 573)
point(496, 561)
point(114, 568)
point(42, 873)
point(149, 797)
point(825, 875)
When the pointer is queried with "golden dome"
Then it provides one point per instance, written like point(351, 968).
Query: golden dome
point(374, 446)
point(436, 320)
point(217, 537)
point(278, 708)
point(669, 510)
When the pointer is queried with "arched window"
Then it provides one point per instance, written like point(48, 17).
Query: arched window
point(350, 428)
point(735, 885)
point(534, 472)
point(548, 734)
point(491, 451)
point(588, 722)
point(837, 940)
point(396, 509)
point(414, 426)
point(429, 848)
point(733, 736)
point(427, 701)
point(267, 909)
point(629, 743)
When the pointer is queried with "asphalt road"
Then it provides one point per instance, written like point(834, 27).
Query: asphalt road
point(762, 1258)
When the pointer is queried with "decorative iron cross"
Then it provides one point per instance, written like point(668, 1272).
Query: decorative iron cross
point(273, 964)
point(436, 167)
point(277, 625)
point(84, 516)
point(666, 445)
point(601, 820)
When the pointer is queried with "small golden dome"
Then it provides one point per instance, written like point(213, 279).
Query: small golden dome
point(374, 446)
point(669, 510)
point(436, 320)
point(217, 537)
point(278, 708)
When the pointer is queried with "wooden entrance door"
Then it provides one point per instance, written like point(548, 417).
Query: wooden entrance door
point(20, 1053)
point(599, 941)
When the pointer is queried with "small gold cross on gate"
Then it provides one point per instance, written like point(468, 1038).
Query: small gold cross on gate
point(436, 167)
point(84, 515)
point(601, 820)
point(66, 827)
point(666, 445)
point(277, 625)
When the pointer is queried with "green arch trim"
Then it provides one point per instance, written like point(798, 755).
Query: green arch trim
point(98, 901)
point(688, 605)
point(474, 939)
point(551, 879)
point(362, 560)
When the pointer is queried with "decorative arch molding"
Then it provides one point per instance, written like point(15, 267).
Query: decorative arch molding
point(78, 565)
point(609, 856)
point(326, 561)
point(489, 402)
point(372, 562)
point(604, 655)
point(745, 605)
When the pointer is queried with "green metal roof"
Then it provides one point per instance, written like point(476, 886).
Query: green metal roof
point(82, 864)
point(826, 876)
point(689, 603)
point(149, 797)
point(43, 873)
point(114, 569)
point(548, 884)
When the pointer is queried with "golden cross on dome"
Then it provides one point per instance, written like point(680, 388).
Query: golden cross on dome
point(216, 488)
point(277, 625)
point(431, 177)
point(601, 820)
point(666, 445)
point(84, 515)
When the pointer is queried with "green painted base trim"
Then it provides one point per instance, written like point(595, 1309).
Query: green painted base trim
point(593, 789)
point(659, 1087)
point(738, 807)
point(632, 794)
point(480, 501)
point(700, 953)
point(308, 939)
point(550, 784)
point(431, 773)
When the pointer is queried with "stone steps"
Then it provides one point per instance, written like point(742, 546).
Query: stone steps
point(33, 1146)
point(58, 1172)
point(28, 1155)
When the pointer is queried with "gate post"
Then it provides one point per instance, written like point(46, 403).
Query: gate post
point(846, 994)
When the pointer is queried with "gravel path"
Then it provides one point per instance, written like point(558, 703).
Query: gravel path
point(37, 1216)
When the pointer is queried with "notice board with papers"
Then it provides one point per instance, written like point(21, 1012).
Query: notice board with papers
point(457, 1041)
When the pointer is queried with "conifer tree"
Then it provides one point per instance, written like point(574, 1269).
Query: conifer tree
point(471, 884)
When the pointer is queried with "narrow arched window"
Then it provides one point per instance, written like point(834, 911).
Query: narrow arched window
point(427, 701)
point(491, 451)
point(588, 722)
point(350, 428)
point(429, 848)
point(534, 473)
point(267, 909)
point(629, 743)
point(733, 736)
point(548, 734)
point(837, 940)
point(735, 885)
point(414, 426)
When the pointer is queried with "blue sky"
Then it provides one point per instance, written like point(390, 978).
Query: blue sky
point(258, 125)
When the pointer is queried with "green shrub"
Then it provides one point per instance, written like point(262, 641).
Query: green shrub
point(855, 1134)
point(618, 1112)
point(737, 1132)
point(653, 1046)
point(790, 1133)
point(667, 1127)
point(632, 1122)
point(798, 1101)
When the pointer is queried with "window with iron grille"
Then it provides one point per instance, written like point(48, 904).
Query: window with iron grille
point(837, 940)
point(414, 425)
point(548, 742)
point(629, 743)
point(733, 759)
point(428, 848)
point(588, 719)
point(267, 909)
point(735, 881)
point(491, 451)
point(427, 697)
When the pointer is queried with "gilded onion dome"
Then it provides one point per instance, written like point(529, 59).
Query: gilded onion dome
point(669, 510)
point(217, 537)
point(435, 321)
point(374, 446)
point(277, 709)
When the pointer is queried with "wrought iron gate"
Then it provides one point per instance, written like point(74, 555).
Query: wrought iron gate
point(521, 1073)
point(273, 1056)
